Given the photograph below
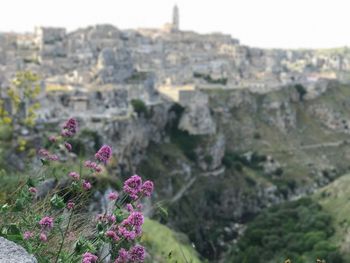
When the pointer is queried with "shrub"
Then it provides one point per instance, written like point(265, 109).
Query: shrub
point(186, 142)
point(298, 230)
point(237, 161)
point(48, 224)
point(209, 79)
point(140, 108)
point(301, 90)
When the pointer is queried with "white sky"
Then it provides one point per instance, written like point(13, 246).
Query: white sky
point(262, 23)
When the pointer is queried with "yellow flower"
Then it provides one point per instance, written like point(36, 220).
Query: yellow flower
point(7, 120)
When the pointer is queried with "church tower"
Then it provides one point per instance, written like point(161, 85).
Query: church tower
point(176, 18)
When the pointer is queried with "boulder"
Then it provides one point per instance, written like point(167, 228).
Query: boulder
point(10, 252)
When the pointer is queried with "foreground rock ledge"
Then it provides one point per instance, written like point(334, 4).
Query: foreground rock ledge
point(10, 252)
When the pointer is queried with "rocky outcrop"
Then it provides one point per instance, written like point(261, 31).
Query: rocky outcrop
point(13, 253)
point(114, 65)
point(197, 120)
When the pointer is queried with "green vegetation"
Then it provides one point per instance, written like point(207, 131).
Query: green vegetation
point(236, 160)
point(167, 246)
point(301, 90)
point(137, 77)
point(22, 93)
point(140, 108)
point(300, 230)
point(185, 141)
point(334, 199)
point(209, 79)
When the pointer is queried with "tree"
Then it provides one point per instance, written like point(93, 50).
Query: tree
point(22, 95)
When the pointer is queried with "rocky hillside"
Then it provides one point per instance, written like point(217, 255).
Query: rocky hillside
point(268, 148)
point(334, 199)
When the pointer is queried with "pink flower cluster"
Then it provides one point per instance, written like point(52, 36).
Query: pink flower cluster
point(47, 155)
point(147, 188)
point(123, 256)
point(70, 205)
point(113, 235)
point(104, 154)
point(134, 219)
point(134, 187)
point(93, 166)
point(113, 196)
point(74, 175)
point(68, 146)
point(89, 258)
point(43, 237)
point(86, 185)
point(28, 235)
point(106, 218)
point(32, 190)
point(70, 128)
point(46, 223)
point(52, 139)
point(135, 254)
point(122, 225)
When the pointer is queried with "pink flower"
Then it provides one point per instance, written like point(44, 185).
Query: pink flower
point(113, 235)
point(113, 196)
point(147, 188)
point(74, 175)
point(70, 128)
point(53, 157)
point(86, 185)
point(89, 258)
point(68, 146)
point(46, 222)
point(135, 219)
point(129, 208)
point(32, 190)
point(70, 205)
point(104, 154)
point(137, 254)
point(93, 166)
point(127, 234)
point(52, 139)
point(111, 219)
point(123, 256)
point(43, 237)
point(98, 169)
point(28, 235)
point(132, 186)
point(138, 230)
point(100, 217)
point(44, 153)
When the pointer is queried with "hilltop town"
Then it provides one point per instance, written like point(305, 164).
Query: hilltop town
point(80, 68)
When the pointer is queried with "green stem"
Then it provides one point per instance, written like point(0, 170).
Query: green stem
point(64, 237)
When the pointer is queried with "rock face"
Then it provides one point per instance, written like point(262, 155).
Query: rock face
point(13, 253)
point(114, 65)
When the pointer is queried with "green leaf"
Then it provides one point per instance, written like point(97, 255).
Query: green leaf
point(45, 162)
point(12, 232)
point(162, 211)
point(57, 202)
point(4, 208)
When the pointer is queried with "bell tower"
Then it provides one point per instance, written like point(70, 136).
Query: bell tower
point(176, 18)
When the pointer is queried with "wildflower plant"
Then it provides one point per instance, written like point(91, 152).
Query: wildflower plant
point(54, 226)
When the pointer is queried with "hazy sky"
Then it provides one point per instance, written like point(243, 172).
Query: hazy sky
point(263, 23)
